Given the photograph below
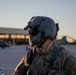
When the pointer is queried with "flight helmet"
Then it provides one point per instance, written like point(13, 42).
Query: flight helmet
point(40, 27)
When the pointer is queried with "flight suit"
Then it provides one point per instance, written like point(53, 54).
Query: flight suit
point(57, 61)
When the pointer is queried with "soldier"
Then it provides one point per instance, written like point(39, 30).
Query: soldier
point(46, 58)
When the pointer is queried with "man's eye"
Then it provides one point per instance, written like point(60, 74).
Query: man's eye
point(33, 31)
point(30, 31)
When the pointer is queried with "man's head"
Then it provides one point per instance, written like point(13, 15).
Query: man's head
point(40, 28)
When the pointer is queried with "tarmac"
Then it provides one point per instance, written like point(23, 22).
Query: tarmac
point(10, 56)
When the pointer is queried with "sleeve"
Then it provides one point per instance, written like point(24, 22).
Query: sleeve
point(21, 69)
point(69, 66)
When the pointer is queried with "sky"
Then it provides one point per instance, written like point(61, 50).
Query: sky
point(16, 13)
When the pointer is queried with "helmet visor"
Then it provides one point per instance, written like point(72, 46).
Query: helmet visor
point(33, 31)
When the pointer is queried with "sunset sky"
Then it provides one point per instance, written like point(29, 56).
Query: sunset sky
point(16, 13)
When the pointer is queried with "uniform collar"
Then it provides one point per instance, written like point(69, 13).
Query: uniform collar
point(38, 50)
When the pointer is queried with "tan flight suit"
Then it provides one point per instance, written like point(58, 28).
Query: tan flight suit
point(57, 61)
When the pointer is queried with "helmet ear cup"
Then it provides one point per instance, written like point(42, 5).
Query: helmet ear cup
point(57, 25)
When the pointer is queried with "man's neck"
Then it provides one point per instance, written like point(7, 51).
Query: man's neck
point(47, 45)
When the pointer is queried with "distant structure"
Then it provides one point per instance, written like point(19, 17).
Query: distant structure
point(14, 36)
point(65, 40)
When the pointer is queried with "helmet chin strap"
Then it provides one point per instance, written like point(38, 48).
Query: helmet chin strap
point(49, 45)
